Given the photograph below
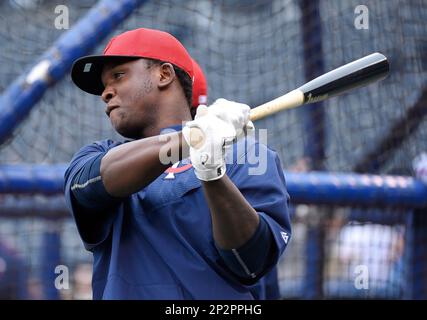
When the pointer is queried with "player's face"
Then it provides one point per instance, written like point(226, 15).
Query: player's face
point(130, 94)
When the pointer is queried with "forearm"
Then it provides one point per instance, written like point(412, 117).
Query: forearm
point(130, 167)
point(234, 221)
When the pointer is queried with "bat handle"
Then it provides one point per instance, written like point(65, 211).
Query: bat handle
point(292, 99)
point(197, 137)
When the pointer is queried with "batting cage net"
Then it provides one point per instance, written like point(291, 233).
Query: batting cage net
point(251, 52)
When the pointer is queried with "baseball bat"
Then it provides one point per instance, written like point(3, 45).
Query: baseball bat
point(358, 73)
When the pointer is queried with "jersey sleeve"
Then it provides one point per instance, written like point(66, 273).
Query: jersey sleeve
point(248, 261)
point(92, 207)
point(259, 176)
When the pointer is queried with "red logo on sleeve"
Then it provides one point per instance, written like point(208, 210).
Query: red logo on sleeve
point(175, 169)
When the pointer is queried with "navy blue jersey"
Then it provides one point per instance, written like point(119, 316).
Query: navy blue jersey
point(158, 242)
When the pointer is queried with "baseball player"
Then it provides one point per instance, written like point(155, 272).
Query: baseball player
point(202, 227)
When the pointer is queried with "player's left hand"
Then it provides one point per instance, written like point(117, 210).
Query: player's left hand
point(221, 123)
point(234, 113)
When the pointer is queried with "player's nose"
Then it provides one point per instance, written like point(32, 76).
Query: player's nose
point(108, 94)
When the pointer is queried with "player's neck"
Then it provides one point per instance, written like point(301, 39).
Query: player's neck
point(173, 112)
point(169, 115)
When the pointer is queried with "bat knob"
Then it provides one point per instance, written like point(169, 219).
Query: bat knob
point(197, 138)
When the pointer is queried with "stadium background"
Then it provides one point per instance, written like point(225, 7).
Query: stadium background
point(251, 51)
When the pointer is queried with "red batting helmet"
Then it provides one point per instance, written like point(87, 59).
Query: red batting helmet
point(200, 86)
point(143, 43)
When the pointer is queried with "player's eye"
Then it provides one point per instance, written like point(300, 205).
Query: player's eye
point(118, 75)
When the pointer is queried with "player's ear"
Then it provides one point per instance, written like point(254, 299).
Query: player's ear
point(167, 74)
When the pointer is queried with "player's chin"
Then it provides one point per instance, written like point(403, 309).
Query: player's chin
point(126, 130)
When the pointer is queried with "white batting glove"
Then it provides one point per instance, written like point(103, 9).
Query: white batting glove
point(222, 123)
point(234, 113)
point(420, 167)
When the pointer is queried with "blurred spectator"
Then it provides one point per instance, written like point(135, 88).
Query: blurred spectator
point(378, 248)
point(82, 282)
point(301, 165)
point(13, 275)
point(420, 167)
point(35, 289)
